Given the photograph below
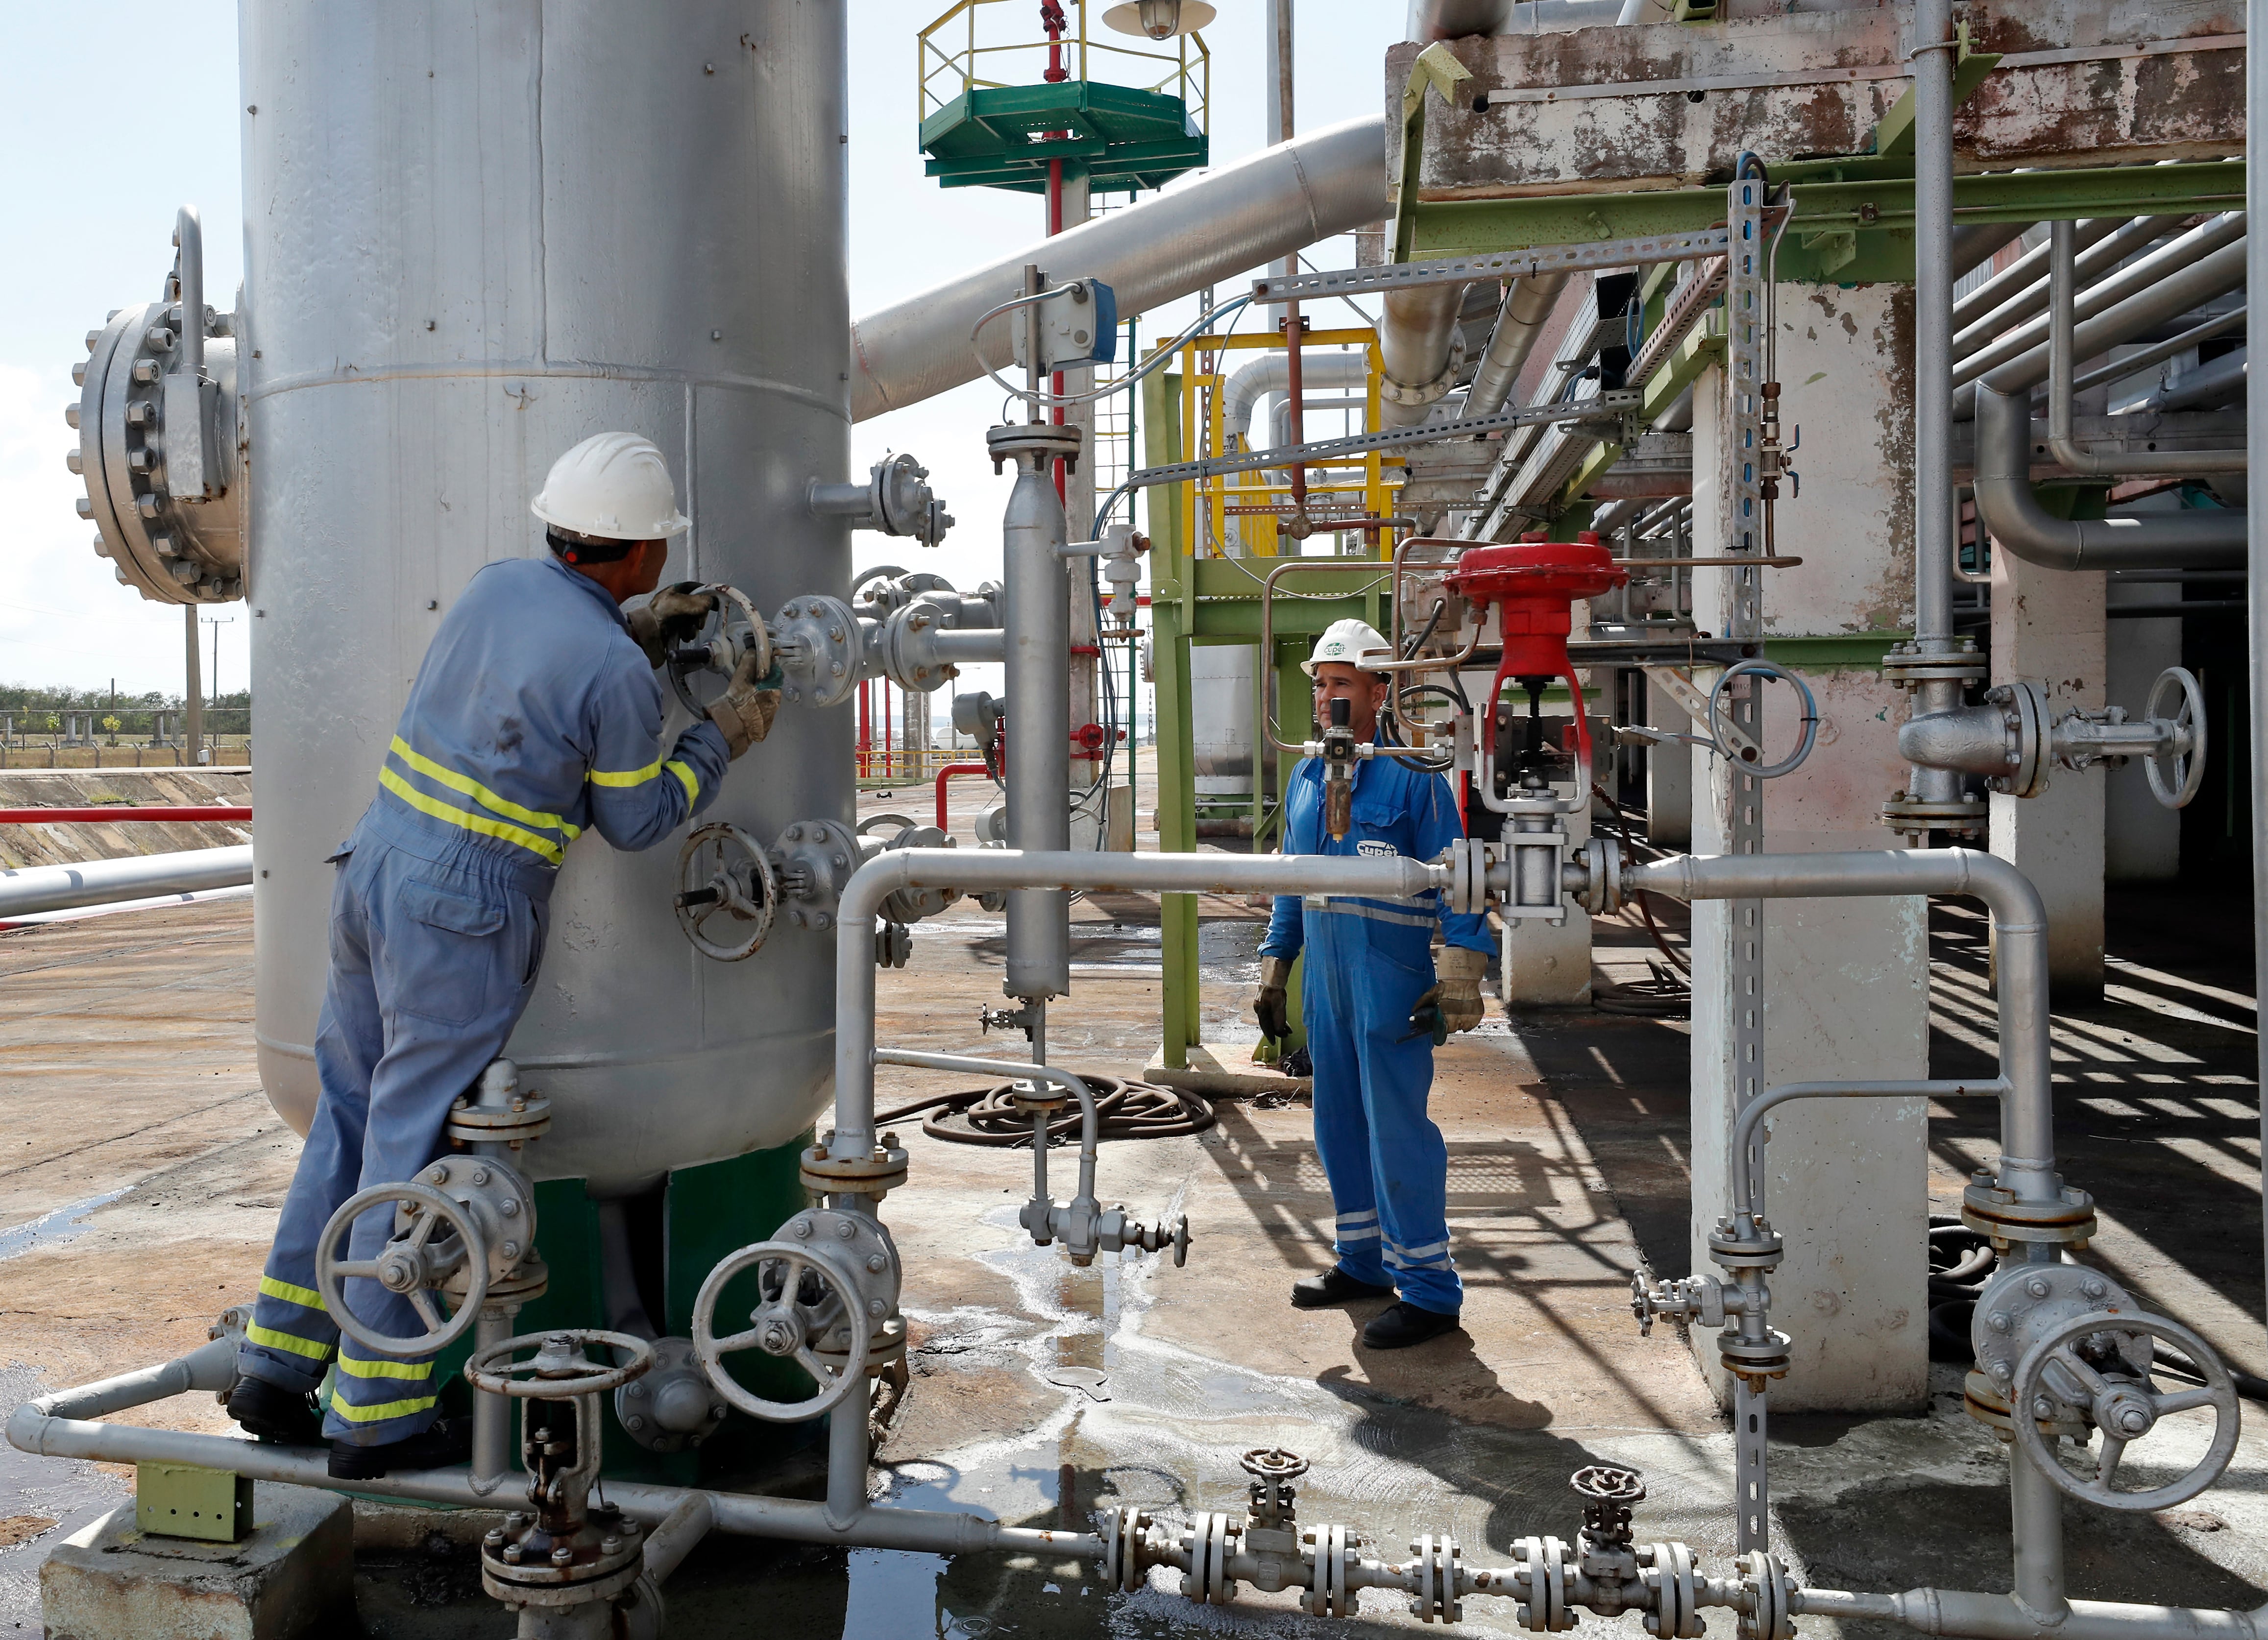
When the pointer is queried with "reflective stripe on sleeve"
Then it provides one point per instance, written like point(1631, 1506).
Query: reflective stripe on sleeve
point(269, 1338)
point(361, 1368)
point(625, 776)
point(306, 1297)
point(686, 778)
point(382, 1411)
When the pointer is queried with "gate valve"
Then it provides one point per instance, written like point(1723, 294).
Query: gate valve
point(1339, 752)
point(1534, 585)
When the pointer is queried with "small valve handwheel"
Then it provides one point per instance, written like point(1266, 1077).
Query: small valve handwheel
point(1745, 763)
point(787, 1325)
point(413, 1264)
point(2176, 775)
point(559, 1369)
point(2123, 1409)
point(731, 630)
point(727, 895)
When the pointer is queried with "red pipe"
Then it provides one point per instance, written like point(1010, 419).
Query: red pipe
point(945, 773)
point(122, 812)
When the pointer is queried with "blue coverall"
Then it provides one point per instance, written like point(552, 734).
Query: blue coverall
point(1368, 962)
point(534, 717)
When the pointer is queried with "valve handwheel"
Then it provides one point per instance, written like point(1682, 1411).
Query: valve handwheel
point(730, 632)
point(2125, 1409)
point(413, 1264)
point(726, 893)
point(559, 1369)
point(2175, 776)
point(783, 1326)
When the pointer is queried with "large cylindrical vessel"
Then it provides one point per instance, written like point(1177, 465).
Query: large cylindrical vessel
point(477, 232)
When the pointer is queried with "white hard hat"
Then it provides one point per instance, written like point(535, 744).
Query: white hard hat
point(612, 485)
point(1351, 642)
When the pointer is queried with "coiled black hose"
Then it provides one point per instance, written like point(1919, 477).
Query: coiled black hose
point(1126, 1110)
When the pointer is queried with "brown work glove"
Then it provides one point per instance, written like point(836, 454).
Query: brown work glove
point(1273, 1006)
point(674, 615)
point(744, 712)
point(1458, 996)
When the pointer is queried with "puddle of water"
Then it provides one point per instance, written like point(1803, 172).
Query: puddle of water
point(60, 1226)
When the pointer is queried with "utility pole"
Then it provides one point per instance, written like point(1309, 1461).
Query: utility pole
point(193, 699)
point(216, 622)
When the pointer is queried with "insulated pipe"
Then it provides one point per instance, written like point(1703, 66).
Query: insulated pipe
point(35, 1428)
point(1417, 341)
point(1272, 373)
point(2163, 268)
point(2063, 366)
point(981, 870)
point(1279, 417)
point(1212, 227)
point(2008, 507)
point(1520, 323)
point(1037, 600)
point(2020, 937)
point(135, 877)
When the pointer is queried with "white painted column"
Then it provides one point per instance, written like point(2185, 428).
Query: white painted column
point(2141, 837)
point(2048, 628)
point(1668, 774)
point(1845, 981)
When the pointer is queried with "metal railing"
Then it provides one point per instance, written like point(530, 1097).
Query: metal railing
point(943, 72)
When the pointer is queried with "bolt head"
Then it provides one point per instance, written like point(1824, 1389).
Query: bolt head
point(2000, 1321)
point(563, 1556)
point(2042, 1408)
point(512, 1552)
point(846, 1229)
point(511, 1249)
point(610, 1546)
point(2038, 1287)
point(876, 1308)
point(495, 1538)
point(2134, 1421)
point(876, 1263)
point(716, 1414)
point(635, 1422)
point(801, 1228)
point(479, 1175)
point(2093, 1288)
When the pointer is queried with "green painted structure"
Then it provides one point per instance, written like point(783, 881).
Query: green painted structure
point(1119, 138)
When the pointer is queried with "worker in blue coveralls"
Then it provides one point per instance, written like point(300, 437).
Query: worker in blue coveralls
point(1373, 999)
point(535, 715)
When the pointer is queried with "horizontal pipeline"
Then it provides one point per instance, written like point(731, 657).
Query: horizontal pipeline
point(135, 876)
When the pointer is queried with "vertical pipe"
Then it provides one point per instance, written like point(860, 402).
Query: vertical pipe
point(1931, 51)
point(188, 233)
point(193, 696)
point(1038, 776)
point(2256, 446)
point(846, 1459)
point(2036, 1515)
point(491, 1414)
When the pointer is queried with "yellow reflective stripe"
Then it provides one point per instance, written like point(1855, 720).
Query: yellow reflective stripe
point(269, 1338)
point(625, 776)
point(306, 1297)
point(382, 1411)
point(686, 778)
point(385, 1369)
point(480, 794)
point(470, 821)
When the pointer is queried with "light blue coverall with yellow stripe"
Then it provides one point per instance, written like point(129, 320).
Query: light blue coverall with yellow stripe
point(1368, 962)
point(534, 717)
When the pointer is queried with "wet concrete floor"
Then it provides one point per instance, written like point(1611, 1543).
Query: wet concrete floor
point(151, 1169)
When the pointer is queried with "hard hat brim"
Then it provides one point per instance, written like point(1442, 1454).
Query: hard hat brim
point(676, 524)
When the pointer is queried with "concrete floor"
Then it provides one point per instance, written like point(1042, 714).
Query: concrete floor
point(148, 1170)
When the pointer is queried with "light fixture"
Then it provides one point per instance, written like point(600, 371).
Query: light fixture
point(1159, 19)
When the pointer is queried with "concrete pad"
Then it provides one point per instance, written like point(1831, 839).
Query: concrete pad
point(292, 1575)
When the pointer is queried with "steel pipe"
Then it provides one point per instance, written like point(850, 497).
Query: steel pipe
point(1746, 1126)
point(2101, 243)
point(2020, 946)
point(125, 811)
point(684, 1526)
point(1213, 227)
point(1272, 373)
point(2063, 366)
point(1090, 1114)
point(1959, 1612)
point(1519, 324)
point(1934, 530)
point(1037, 598)
point(135, 877)
point(2211, 384)
point(1416, 347)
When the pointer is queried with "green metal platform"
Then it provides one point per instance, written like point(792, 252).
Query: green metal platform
point(1118, 137)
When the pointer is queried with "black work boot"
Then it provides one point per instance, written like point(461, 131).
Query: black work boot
point(282, 1418)
point(1334, 1286)
point(1403, 1324)
point(448, 1442)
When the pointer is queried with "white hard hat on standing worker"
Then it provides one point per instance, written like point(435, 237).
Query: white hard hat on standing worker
point(1350, 644)
point(614, 486)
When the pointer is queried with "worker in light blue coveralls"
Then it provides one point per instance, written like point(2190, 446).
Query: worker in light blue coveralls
point(1373, 999)
point(535, 715)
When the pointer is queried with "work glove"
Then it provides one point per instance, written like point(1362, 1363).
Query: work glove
point(671, 616)
point(744, 711)
point(1456, 996)
point(1272, 1007)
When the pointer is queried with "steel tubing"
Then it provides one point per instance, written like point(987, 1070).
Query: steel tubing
point(1037, 597)
point(1934, 531)
point(2103, 242)
point(135, 877)
point(1519, 324)
point(2020, 937)
point(983, 870)
point(1960, 1612)
point(1090, 1116)
point(684, 1526)
point(1238, 218)
point(1746, 1125)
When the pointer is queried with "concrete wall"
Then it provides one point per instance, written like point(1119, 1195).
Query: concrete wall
point(2141, 838)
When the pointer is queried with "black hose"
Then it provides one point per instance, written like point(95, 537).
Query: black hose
point(1126, 1109)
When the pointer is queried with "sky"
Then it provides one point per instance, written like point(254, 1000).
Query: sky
point(95, 198)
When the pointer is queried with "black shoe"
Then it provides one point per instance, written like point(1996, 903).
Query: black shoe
point(1405, 1324)
point(281, 1416)
point(447, 1442)
point(1333, 1286)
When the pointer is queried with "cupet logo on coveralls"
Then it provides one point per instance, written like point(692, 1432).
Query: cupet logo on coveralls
point(1376, 848)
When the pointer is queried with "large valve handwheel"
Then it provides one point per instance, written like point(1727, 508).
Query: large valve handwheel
point(732, 629)
point(786, 1324)
point(559, 1369)
point(726, 893)
point(413, 1264)
point(2175, 775)
point(2125, 1409)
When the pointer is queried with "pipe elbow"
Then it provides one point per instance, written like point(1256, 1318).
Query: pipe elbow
point(2011, 896)
point(27, 1426)
point(2006, 501)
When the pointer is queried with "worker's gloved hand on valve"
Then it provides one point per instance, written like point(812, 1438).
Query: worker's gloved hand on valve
point(1273, 1006)
point(1458, 994)
point(674, 615)
point(744, 712)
